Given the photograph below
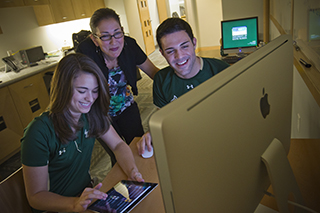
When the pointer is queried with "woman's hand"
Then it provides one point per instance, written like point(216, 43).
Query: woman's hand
point(123, 154)
point(82, 203)
point(136, 176)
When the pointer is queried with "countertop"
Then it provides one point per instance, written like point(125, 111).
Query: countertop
point(10, 77)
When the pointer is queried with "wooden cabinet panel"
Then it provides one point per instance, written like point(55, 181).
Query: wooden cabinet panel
point(65, 10)
point(11, 3)
point(62, 10)
point(30, 97)
point(11, 129)
point(36, 2)
point(81, 8)
point(43, 14)
point(96, 4)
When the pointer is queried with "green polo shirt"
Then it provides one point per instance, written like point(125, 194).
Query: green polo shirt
point(167, 86)
point(68, 164)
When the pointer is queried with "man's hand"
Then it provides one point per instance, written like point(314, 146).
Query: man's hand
point(143, 142)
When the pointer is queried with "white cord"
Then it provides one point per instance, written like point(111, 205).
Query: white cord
point(77, 146)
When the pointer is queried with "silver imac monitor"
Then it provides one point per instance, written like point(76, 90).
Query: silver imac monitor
point(208, 143)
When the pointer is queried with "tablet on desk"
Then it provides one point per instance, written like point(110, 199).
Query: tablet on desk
point(123, 197)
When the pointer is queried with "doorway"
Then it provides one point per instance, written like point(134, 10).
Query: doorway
point(177, 9)
point(146, 26)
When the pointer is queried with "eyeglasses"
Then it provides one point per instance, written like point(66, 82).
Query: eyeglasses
point(117, 35)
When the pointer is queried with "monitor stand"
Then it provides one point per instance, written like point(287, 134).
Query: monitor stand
point(241, 55)
point(281, 176)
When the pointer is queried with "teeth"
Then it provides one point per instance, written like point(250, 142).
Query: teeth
point(182, 62)
point(87, 104)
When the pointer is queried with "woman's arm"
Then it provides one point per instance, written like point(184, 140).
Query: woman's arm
point(123, 154)
point(149, 68)
point(36, 184)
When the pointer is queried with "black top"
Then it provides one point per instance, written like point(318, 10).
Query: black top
point(131, 56)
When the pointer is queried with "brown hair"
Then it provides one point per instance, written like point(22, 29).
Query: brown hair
point(62, 91)
point(100, 14)
point(172, 25)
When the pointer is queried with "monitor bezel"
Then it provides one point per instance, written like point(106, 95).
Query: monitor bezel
point(239, 49)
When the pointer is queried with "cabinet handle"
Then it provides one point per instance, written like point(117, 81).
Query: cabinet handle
point(83, 14)
point(65, 17)
point(30, 85)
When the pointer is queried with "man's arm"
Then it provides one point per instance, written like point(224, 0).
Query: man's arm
point(149, 68)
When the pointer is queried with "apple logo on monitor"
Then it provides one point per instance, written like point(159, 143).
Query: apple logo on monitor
point(264, 104)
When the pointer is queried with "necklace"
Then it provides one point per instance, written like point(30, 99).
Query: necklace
point(111, 64)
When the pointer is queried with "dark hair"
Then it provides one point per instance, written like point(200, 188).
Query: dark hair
point(100, 14)
point(172, 25)
point(61, 92)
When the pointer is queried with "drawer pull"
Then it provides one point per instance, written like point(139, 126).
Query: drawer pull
point(30, 85)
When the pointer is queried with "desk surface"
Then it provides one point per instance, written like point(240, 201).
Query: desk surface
point(303, 156)
point(304, 159)
point(147, 167)
point(12, 77)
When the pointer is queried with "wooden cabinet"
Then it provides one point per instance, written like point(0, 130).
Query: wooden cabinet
point(30, 97)
point(20, 102)
point(58, 11)
point(55, 12)
point(11, 3)
point(11, 129)
point(35, 2)
point(62, 10)
point(96, 4)
point(81, 8)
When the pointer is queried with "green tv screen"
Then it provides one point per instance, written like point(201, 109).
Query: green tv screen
point(239, 33)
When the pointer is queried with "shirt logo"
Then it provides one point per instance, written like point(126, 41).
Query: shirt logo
point(174, 98)
point(86, 133)
point(62, 151)
point(190, 86)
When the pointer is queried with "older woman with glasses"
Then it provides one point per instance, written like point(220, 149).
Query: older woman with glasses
point(118, 56)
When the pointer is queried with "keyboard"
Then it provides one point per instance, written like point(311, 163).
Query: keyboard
point(231, 59)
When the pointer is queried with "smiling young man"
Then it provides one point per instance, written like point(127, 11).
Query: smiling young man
point(186, 71)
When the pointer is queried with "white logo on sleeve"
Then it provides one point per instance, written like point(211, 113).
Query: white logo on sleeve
point(86, 133)
point(174, 98)
point(190, 86)
point(62, 151)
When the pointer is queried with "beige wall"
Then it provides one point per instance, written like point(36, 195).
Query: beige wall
point(209, 19)
point(232, 9)
point(205, 17)
point(133, 19)
point(118, 6)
